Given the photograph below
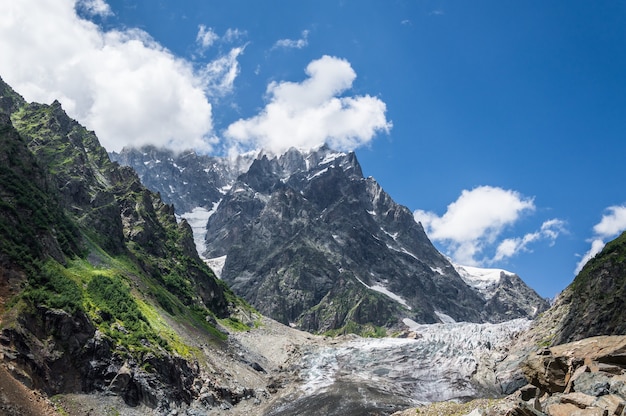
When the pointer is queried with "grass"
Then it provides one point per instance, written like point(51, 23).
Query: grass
point(234, 324)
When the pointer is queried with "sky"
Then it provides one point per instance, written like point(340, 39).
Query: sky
point(499, 124)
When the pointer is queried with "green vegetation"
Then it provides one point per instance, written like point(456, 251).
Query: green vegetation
point(614, 252)
point(234, 324)
point(29, 214)
point(49, 286)
point(366, 330)
point(120, 317)
point(89, 238)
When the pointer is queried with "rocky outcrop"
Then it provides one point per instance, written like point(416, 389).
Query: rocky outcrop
point(586, 377)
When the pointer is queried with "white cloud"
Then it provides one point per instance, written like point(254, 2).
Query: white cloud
point(206, 36)
point(220, 74)
point(293, 43)
point(596, 246)
point(94, 7)
point(232, 35)
point(310, 113)
point(611, 224)
point(509, 247)
point(475, 222)
point(120, 83)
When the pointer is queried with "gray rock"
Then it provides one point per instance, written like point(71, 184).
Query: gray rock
point(593, 384)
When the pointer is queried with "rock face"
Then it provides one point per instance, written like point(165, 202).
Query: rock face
point(507, 296)
point(187, 180)
point(309, 241)
point(586, 377)
point(592, 305)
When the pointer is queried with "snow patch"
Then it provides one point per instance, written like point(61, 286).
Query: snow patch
point(198, 219)
point(386, 292)
point(321, 172)
point(217, 265)
point(330, 157)
point(402, 250)
point(446, 319)
point(394, 235)
point(483, 280)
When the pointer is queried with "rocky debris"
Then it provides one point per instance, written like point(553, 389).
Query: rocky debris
point(77, 358)
point(586, 377)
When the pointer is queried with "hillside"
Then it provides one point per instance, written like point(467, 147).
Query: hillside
point(101, 289)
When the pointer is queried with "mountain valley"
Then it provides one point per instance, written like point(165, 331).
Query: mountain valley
point(323, 295)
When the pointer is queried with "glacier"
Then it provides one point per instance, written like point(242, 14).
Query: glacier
point(448, 361)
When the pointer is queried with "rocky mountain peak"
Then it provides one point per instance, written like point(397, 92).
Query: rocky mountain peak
point(308, 240)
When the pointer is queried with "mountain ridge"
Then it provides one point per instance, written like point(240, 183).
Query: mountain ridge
point(288, 207)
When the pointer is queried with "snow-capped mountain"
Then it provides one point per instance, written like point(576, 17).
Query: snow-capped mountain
point(506, 294)
point(309, 241)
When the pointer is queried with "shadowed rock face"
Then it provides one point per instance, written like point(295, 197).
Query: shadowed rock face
point(62, 203)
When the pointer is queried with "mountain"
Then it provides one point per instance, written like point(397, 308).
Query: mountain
point(507, 296)
point(101, 288)
point(309, 241)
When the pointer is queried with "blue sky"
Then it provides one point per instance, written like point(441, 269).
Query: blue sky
point(500, 124)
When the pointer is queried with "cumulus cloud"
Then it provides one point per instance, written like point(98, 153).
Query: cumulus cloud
point(309, 113)
point(293, 43)
point(611, 224)
point(120, 83)
point(475, 222)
